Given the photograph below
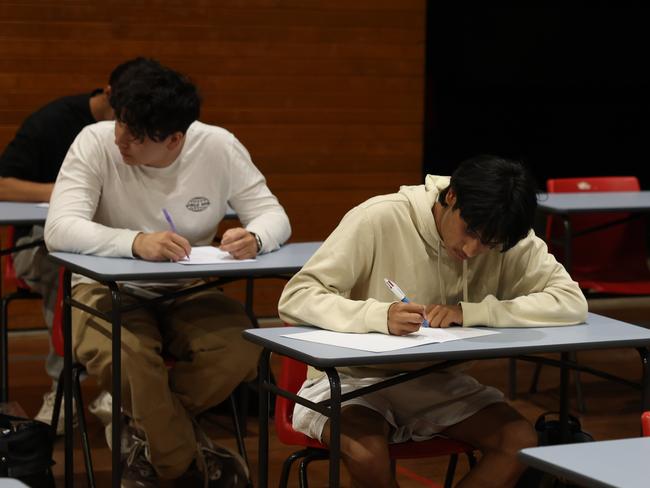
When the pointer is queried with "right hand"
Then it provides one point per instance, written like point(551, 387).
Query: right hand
point(161, 246)
point(405, 318)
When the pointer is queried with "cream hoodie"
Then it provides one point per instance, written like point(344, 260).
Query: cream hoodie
point(394, 236)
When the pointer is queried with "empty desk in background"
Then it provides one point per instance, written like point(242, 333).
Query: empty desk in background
point(565, 205)
point(598, 333)
point(604, 464)
point(15, 213)
point(285, 261)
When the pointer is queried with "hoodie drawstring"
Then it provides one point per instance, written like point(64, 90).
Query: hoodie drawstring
point(443, 292)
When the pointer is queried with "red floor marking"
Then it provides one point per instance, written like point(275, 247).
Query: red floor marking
point(416, 477)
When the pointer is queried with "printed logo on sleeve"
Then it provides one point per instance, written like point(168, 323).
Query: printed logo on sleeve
point(197, 204)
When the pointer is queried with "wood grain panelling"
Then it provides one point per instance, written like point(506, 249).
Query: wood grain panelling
point(327, 95)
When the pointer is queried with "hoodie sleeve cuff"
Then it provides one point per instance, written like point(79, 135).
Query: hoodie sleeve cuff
point(475, 314)
point(377, 317)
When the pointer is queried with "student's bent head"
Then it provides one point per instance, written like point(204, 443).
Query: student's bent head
point(496, 197)
point(153, 101)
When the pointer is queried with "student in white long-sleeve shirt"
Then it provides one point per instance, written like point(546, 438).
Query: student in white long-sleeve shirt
point(463, 251)
point(108, 200)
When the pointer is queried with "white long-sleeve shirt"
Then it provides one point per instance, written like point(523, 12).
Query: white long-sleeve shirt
point(100, 204)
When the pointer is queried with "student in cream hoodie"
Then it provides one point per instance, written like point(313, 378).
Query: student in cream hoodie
point(463, 251)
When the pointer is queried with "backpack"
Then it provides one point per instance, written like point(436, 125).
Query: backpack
point(26, 451)
point(548, 434)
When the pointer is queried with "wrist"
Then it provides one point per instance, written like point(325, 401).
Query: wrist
point(258, 240)
point(135, 245)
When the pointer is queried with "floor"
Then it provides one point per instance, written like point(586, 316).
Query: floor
point(613, 410)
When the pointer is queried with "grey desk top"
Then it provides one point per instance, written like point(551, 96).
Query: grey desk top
point(604, 464)
point(18, 213)
point(11, 483)
point(598, 333)
point(615, 201)
point(286, 260)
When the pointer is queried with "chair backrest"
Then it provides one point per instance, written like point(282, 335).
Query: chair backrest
point(57, 321)
point(292, 375)
point(10, 278)
point(621, 249)
point(645, 423)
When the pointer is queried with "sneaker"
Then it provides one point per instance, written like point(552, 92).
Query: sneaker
point(47, 409)
point(214, 466)
point(102, 408)
point(137, 470)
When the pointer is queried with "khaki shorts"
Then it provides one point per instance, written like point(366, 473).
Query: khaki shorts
point(417, 409)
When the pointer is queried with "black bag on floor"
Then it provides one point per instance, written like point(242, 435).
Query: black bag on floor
point(548, 434)
point(26, 451)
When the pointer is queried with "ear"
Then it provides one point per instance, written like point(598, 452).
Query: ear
point(107, 91)
point(450, 197)
point(175, 140)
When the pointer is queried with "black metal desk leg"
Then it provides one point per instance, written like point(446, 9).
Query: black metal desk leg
point(335, 427)
point(116, 306)
point(564, 398)
point(645, 379)
point(249, 301)
point(264, 398)
point(67, 377)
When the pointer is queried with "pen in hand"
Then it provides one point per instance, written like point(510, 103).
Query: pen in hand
point(401, 296)
point(169, 220)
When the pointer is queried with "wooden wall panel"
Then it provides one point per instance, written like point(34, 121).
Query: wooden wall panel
point(327, 95)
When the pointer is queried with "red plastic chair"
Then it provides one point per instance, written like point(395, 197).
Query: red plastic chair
point(22, 292)
point(645, 424)
point(618, 263)
point(292, 376)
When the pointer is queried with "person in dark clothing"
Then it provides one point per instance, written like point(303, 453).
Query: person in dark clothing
point(29, 166)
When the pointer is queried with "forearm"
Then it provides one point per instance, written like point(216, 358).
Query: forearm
point(305, 300)
point(555, 306)
point(273, 228)
point(17, 190)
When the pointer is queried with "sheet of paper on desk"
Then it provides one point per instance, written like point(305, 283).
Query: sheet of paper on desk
point(211, 255)
point(376, 342)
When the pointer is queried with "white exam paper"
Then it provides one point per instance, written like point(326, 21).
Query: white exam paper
point(211, 255)
point(376, 342)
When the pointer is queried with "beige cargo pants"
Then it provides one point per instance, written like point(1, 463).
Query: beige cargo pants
point(201, 331)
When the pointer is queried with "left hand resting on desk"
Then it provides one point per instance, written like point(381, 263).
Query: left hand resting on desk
point(444, 315)
point(240, 243)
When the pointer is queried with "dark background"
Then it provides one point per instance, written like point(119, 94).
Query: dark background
point(563, 89)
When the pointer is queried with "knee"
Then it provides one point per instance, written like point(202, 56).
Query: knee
point(517, 435)
point(364, 452)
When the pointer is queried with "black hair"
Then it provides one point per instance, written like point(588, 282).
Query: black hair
point(121, 68)
point(496, 197)
point(154, 101)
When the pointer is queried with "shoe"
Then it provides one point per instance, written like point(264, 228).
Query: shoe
point(102, 408)
point(137, 470)
point(47, 409)
point(214, 466)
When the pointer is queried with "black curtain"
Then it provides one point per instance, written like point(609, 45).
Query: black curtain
point(563, 89)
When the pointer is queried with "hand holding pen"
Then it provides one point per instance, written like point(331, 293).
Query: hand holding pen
point(161, 246)
point(405, 317)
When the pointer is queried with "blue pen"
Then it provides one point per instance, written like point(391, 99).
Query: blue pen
point(169, 220)
point(401, 296)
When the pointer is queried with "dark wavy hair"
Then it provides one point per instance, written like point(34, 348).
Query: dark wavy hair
point(497, 199)
point(154, 101)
